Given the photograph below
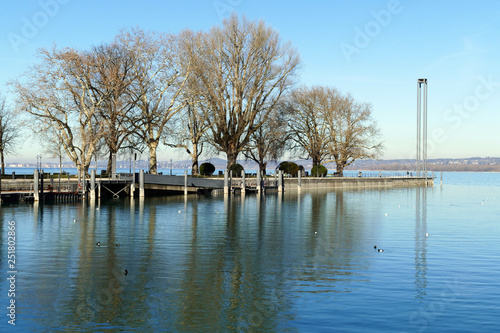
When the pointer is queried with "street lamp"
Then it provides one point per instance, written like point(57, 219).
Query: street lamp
point(38, 162)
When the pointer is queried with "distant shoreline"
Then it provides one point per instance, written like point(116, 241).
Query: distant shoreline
point(430, 167)
point(402, 168)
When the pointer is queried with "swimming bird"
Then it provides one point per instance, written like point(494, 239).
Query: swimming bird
point(380, 250)
point(125, 272)
point(117, 244)
point(375, 247)
point(98, 243)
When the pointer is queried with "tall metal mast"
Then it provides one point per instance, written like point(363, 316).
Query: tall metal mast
point(421, 158)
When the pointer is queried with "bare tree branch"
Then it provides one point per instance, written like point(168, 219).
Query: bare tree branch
point(9, 131)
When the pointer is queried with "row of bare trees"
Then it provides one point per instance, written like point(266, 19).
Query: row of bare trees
point(228, 89)
point(328, 126)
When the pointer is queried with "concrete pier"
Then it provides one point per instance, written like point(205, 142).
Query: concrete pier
point(92, 184)
point(36, 193)
point(226, 182)
point(259, 182)
point(243, 183)
point(355, 182)
point(299, 180)
point(141, 184)
point(29, 188)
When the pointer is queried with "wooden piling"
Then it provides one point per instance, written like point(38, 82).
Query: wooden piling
point(280, 181)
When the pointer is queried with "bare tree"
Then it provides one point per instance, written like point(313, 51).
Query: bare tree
point(9, 131)
point(354, 134)
point(53, 146)
point(242, 70)
point(268, 142)
point(114, 77)
point(306, 122)
point(190, 125)
point(159, 80)
point(189, 133)
point(57, 93)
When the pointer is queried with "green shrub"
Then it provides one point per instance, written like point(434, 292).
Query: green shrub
point(319, 171)
point(290, 168)
point(207, 169)
point(236, 169)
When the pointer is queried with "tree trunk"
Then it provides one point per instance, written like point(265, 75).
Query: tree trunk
point(81, 171)
point(194, 156)
point(340, 168)
point(152, 145)
point(262, 167)
point(86, 168)
point(3, 162)
point(110, 162)
point(315, 160)
point(231, 158)
point(194, 167)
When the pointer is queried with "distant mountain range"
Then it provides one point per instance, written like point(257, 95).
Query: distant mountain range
point(440, 164)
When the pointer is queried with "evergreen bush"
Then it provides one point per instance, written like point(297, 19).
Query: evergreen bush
point(319, 171)
point(236, 169)
point(207, 169)
point(290, 168)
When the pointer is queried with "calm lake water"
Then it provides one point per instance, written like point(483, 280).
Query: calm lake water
point(293, 263)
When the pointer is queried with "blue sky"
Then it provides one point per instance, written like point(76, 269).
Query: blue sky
point(375, 50)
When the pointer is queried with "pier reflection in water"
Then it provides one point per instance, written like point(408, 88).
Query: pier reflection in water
point(299, 261)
